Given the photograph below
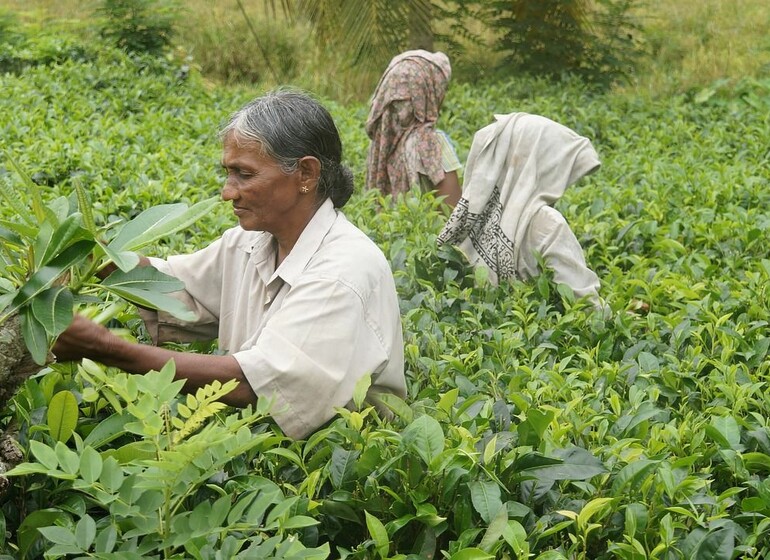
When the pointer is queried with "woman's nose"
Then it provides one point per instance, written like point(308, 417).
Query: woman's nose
point(229, 191)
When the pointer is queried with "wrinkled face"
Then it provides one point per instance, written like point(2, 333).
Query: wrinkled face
point(264, 197)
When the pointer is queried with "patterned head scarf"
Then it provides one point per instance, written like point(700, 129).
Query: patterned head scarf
point(404, 110)
point(516, 165)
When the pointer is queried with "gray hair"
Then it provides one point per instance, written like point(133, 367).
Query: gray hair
point(289, 125)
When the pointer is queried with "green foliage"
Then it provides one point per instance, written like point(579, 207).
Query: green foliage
point(19, 51)
point(53, 253)
point(598, 41)
point(532, 427)
point(174, 488)
point(139, 26)
point(226, 49)
point(371, 32)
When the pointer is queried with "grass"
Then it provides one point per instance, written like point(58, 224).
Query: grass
point(693, 43)
point(698, 42)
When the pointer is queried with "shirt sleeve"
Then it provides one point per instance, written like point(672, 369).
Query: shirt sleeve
point(449, 159)
point(312, 352)
point(550, 235)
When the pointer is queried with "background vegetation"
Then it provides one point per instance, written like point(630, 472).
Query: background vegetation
point(532, 427)
point(693, 43)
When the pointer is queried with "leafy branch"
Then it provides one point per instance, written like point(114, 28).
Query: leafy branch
point(51, 257)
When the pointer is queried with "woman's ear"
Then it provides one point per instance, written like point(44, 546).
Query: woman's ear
point(310, 170)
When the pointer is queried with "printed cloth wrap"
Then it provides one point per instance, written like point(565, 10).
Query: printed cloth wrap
point(401, 122)
point(516, 166)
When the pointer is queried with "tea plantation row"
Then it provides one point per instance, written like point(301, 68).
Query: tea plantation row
point(533, 428)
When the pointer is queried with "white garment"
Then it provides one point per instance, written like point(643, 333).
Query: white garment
point(303, 333)
point(517, 168)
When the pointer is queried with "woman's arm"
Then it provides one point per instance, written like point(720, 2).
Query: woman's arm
point(86, 339)
point(449, 188)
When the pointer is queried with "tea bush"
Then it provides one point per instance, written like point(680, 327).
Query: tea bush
point(533, 428)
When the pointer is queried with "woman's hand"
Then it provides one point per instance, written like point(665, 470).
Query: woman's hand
point(82, 339)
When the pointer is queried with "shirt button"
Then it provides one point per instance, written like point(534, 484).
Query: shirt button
point(268, 299)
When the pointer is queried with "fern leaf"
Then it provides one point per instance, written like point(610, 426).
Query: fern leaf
point(205, 405)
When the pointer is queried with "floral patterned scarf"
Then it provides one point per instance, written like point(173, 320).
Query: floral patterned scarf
point(403, 114)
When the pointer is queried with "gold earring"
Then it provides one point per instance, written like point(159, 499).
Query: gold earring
point(304, 189)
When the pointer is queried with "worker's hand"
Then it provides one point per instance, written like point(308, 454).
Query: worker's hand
point(82, 339)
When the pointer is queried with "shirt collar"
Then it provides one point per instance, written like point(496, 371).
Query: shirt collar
point(307, 244)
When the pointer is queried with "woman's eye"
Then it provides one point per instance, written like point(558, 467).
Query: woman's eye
point(239, 173)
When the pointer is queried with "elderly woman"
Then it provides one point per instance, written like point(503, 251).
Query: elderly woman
point(303, 303)
point(406, 149)
point(517, 168)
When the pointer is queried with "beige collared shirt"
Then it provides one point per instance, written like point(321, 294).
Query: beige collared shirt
point(303, 333)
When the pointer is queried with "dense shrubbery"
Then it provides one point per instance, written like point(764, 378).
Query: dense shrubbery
point(531, 426)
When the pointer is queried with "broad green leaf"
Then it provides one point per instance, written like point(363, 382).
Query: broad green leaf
point(111, 476)
point(6, 299)
point(28, 468)
point(648, 362)
point(62, 415)
point(540, 420)
point(147, 286)
point(471, 554)
point(50, 243)
point(719, 544)
point(532, 429)
point(129, 453)
point(756, 461)
point(361, 389)
point(154, 300)
point(10, 238)
point(106, 539)
point(299, 522)
point(575, 464)
point(28, 532)
point(632, 475)
point(144, 278)
point(486, 499)
point(342, 466)
point(23, 230)
point(516, 537)
point(45, 277)
point(124, 260)
point(726, 432)
point(448, 400)
point(495, 530)
point(219, 511)
point(44, 454)
point(715, 544)
point(107, 430)
point(90, 465)
point(35, 337)
point(58, 535)
point(379, 534)
point(85, 532)
point(397, 405)
point(598, 507)
point(158, 222)
point(425, 437)
point(628, 422)
point(53, 309)
point(69, 461)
